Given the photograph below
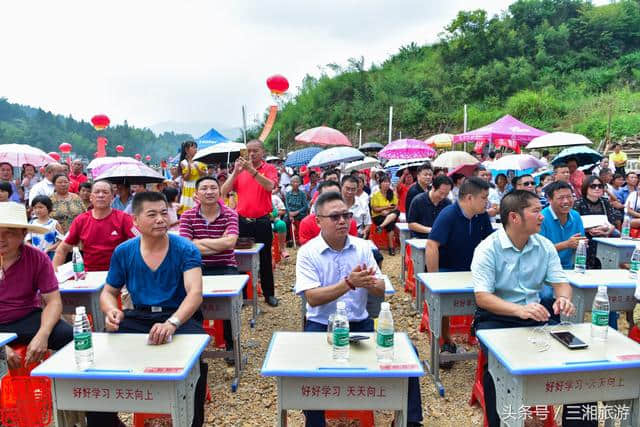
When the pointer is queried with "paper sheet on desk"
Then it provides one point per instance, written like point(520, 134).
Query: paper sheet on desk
point(64, 273)
point(590, 221)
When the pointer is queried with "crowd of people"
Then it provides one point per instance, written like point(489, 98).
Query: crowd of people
point(514, 232)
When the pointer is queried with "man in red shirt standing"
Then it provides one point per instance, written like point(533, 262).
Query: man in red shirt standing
point(76, 177)
point(253, 180)
point(100, 230)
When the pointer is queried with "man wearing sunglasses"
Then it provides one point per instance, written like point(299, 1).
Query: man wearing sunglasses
point(335, 266)
point(526, 182)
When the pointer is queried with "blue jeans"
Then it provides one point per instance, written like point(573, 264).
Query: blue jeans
point(414, 405)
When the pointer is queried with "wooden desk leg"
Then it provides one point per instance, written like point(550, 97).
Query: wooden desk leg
point(282, 413)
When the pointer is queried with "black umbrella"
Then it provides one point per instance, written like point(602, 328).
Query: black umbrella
point(371, 146)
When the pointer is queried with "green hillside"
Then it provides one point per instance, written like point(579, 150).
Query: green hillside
point(555, 64)
point(25, 125)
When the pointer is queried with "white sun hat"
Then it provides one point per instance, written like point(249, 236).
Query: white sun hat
point(14, 215)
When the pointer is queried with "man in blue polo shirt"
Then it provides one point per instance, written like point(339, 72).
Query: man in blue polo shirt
point(426, 206)
point(456, 232)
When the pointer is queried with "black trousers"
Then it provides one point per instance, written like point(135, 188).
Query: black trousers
point(210, 270)
point(27, 328)
point(487, 320)
point(137, 322)
point(260, 230)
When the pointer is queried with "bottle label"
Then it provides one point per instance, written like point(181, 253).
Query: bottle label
point(78, 267)
point(600, 317)
point(340, 337)
point(384, 339)
point(581, 260)
point(634, 265)
point(82, 341)
point(625, 231)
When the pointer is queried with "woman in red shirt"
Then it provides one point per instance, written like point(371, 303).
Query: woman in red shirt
point(402, 188)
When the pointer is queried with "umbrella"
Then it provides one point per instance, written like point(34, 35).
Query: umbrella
point(406, 162)
point(323, 135)
point(516, 162)
point(130, 173)
point(101, 164)
point(366, 163)
point(220, 153)
point(407, 149)
point(453, 159)
point(505, 132)
point(441, 140)
point(371, 146)
point(466, 170)
point(301, 157)
point(19, 154)
point(335, 155)
point(272, 159)
point(584, 155)
point(558, 139)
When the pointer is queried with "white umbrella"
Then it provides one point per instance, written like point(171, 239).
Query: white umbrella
point(366, 163)
point(558, 139)
point(130, 173)
point(224, 151)
point(453, 159)
point(101, 164)
point(516, 162)
point(19, 154)
point(334, 156)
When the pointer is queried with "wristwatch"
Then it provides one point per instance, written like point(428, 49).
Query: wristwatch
point(174, 321)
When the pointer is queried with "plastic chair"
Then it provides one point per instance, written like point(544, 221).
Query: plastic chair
point(409, 276)
point(26, 401)
point(24, 370)
point(477, 396)
point(380, 239)
point(634, 334)
point(276, 256)
point(250, 287)
point(215, 329)
point(140, 419)
point(360, 418)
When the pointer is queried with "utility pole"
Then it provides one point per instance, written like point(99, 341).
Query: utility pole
point(390, 124)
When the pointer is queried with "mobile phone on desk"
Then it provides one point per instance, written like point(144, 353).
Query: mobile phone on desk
point(569, 340)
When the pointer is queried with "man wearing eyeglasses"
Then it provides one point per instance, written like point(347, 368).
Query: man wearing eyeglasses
point(335, 266)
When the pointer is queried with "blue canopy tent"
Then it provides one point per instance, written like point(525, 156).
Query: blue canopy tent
point(212, 137)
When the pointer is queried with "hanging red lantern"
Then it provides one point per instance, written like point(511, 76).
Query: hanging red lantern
point(119, 148)
point(55, 156)
point(100, 121)
point(138, 156)
point(65, 148)
point(147, 157)
point(277, 84)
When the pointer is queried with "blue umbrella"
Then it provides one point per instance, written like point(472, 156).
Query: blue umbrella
point(584, 155)
point(335, 155)
point(301, 157)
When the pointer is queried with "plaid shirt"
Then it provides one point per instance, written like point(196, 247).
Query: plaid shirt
point(297, 201)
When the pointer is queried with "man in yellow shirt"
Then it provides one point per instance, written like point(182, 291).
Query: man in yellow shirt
point(618, 158)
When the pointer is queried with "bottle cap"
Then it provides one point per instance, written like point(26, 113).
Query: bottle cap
point(385, 306)
point(602, 288)
point(341, 305)
point(81, 310)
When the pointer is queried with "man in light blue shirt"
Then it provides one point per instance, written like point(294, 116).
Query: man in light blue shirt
point(335, 266)
point(508, 271)
point(562, 225)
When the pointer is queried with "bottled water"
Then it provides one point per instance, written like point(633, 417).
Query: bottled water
point(580, 265)
point(600, 315)
point(78, 264)
point(626, 227)
point(82, 339)
point(635, 262)
point(384, 334)
point(341, 333)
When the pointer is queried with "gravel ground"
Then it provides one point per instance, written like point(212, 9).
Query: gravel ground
point(255, 402)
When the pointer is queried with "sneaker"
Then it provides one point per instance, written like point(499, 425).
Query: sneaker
point(392, 251)
point(447, 348)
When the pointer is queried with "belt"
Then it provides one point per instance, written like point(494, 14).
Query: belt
point(264, 217)
point(155, 309)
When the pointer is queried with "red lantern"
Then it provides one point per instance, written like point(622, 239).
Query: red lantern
point(119, 148)
point(147, 157)
point(55, 156)
point(277, 84)
point(138, 156)
point(65, 148)
point(100, 122)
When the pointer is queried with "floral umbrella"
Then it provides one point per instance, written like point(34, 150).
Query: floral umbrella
point(407, 149)
point(130, 173)
point(323, 135)
point(101, 164)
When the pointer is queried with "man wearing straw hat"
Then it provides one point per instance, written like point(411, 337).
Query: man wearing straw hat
point(26, 278)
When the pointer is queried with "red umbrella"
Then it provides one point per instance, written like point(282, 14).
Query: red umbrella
point(323, 135)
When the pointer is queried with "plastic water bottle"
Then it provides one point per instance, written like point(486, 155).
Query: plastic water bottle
point(635, 263)
point(384, 334)
point(580, 266)
point(341, 333)
point(600, 315)
point(82, 340)
point(78, 265)
point(626, 227)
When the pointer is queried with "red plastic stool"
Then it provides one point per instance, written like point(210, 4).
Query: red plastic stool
point(409, 275)
point(461, 325)
point(275, 251)
point(24, 370)
point(634, 334)
point(362, 418)
point(26, 401)
point(477, 396)
point(250, 287)
point(215, 329)
point(380, 239)
point(140, 419)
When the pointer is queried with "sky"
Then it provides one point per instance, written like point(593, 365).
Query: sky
point(189, 65)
